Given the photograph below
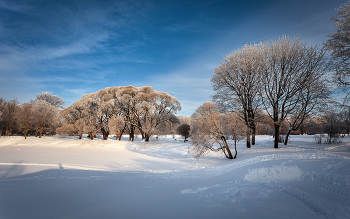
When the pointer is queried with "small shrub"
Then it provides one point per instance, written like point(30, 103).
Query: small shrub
point(184, 130)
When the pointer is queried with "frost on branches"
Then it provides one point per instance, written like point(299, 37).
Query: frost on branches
point(286, 78)
point(339, 44)
point(211, 129)
point(120, 110)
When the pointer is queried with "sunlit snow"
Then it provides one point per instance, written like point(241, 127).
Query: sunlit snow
point(64, 177)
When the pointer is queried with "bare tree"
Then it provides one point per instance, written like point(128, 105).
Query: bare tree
point(314, 94)
point(172, 122)
point(339, 44)
point(9, 114)
point(236, 128)
point(54, 100)
point(25, 117)
point(2, 111)
point(210, 130)
point(290, 66)
point(332, 127)
point(44, 114)
point(237, 82)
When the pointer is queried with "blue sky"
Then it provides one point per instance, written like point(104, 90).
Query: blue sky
point(71, 48)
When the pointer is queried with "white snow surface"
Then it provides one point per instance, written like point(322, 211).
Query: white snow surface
point(66, 177)
point(273, 174)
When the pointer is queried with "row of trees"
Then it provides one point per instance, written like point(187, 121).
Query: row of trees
point(275, 84)
point(285, 78)
point(120, 110)
point(38, 116)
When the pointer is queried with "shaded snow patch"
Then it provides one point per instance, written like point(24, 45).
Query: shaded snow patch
point(273, 174)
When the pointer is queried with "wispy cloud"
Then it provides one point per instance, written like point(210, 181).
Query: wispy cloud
point(10, 5)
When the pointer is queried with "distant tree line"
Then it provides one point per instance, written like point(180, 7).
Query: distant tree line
point(38, 117)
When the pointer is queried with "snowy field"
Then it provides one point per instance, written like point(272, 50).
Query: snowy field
point(64, 177)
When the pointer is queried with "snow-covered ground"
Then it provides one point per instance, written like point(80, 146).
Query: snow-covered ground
point(64, 177)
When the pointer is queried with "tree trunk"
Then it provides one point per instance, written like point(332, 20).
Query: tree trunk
point(105, 135)
point(119, 136)
point(80, 135)
point(287, 136)
point(121, 133)
point(140, 130)
point(252, 126)
point(146, 137)
point(253, 134)
point(132, 133)
point(235, 149)
point(229, 154)
point(40, 133)
point(248, 138)
point(277, 136)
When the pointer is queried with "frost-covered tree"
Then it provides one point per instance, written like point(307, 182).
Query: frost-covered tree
point(184, 130)
point(122, 109)
point(66, 129)
point(290, 66)
point(235, 127)
point(9, 115)
point(79, 127)
point(45, 111)
point(44, 114)
point(172, 122)
point(210, 131)
point(314, 94)
point(117, 124)
point(339, 44)
point(25, 118)
point(74, 115)
point(54, 100)
point(154, 108)
point(236, 82)
point(91, 123)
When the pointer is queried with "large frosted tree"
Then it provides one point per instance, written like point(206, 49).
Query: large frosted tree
point(289, 67)
point(45, 110)
point(236, 82)
point(283, 77)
